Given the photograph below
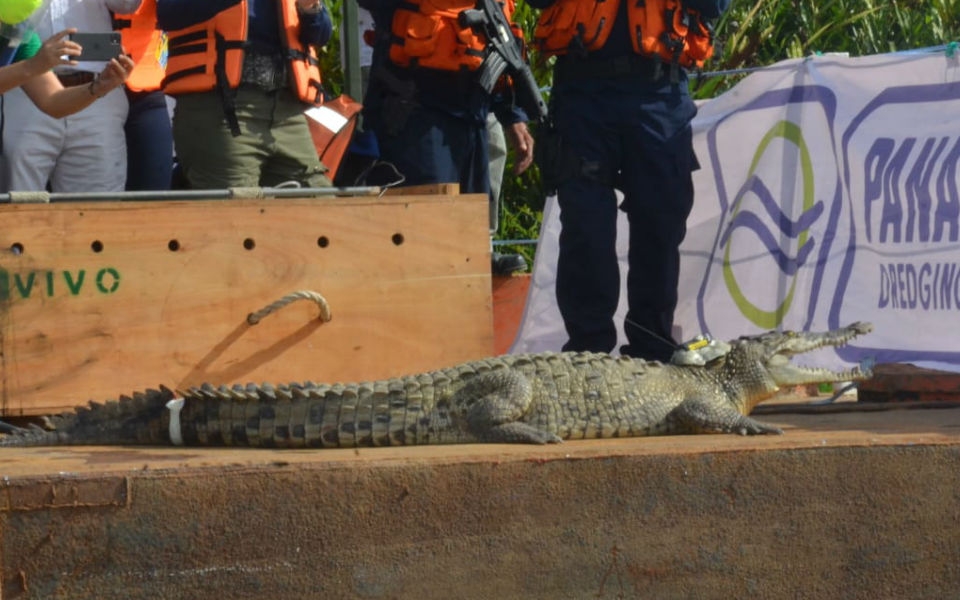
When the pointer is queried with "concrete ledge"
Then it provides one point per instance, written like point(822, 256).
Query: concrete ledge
point(843, 505)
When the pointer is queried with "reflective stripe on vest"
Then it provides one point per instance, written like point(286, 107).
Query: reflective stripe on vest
point(659, 28)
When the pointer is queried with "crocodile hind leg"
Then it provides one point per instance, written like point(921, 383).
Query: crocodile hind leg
point(697, 415)
point(493, 404)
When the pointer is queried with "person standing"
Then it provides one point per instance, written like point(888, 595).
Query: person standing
point(86, 151)
point(148, 129)
point(242, 73)
point(424, 101)
point(622, 113)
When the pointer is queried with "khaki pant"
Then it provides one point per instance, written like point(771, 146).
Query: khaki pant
point(274, 146)
point(83, 152)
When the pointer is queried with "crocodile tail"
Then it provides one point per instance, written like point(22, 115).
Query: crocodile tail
point(136, 419)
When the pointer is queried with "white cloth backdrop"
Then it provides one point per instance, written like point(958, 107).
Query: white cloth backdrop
point(828, 194)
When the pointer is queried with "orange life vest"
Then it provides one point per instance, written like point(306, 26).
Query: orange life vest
point(145, 44)
point(209, 55)
point(659, 28)
point(426, 33)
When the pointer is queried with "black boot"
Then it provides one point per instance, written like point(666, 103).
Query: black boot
point(505, 264)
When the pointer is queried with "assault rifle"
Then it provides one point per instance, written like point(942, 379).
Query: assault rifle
point(504, 54)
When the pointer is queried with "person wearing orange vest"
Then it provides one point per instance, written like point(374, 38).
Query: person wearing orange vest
point(148, 130)
point(242, 73)
point(424, 100)
point(621, 113)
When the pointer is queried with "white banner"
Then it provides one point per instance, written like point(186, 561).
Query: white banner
point(828, 194)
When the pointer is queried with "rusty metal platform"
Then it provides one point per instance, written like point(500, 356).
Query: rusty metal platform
point(859, 504)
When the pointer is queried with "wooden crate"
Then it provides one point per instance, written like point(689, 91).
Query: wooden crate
point(103, 298)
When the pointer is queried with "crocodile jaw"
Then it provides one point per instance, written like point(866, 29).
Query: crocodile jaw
point(785, 373)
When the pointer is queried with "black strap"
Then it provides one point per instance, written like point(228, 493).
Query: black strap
point(228, 94)
point(292, 54)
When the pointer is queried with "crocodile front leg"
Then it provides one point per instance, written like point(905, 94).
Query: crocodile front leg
point(698, 415)
point(495, 403)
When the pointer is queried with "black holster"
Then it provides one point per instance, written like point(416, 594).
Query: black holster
point(558, 162)
point(398, 99)
point(548, 156)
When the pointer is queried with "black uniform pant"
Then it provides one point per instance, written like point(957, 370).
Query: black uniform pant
point(635, 136)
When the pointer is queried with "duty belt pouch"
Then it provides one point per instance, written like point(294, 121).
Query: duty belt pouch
point(548, 156)
point(559, 162)
point(399, 100)
point(395, 112)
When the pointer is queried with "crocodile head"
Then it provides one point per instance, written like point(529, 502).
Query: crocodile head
point(758, 366)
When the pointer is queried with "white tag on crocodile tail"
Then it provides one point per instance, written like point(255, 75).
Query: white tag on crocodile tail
point(175, 406)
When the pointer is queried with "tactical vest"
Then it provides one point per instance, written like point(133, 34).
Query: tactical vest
point(145, 44)
point(663, 29)
point(426, 33)
point(209, 55)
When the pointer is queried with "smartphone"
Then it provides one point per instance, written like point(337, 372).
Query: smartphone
point(97, 46)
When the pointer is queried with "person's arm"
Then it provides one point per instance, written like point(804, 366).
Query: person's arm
point(57, 101)
point(514, 122)
point(173, 15)
point(15, 75)
point(709, 9)
point(316, 27)
point(520, 139)
point(49, 55)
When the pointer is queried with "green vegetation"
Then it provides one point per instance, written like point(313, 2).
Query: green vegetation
point(753, 33)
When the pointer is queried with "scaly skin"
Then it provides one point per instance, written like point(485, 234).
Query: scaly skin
point(530, 398)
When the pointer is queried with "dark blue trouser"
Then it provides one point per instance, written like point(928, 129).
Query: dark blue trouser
point(436, 147)
point(635, 136)
point(149, 142)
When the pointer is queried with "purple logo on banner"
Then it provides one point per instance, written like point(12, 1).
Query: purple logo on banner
point(901, 168)
point(772, 197)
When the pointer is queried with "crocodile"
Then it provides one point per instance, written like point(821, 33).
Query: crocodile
point(526, 398)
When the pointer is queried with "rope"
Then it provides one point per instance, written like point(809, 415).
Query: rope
point(255, 317)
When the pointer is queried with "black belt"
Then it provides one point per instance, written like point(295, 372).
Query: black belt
point(76, 78)
point(570, 68)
